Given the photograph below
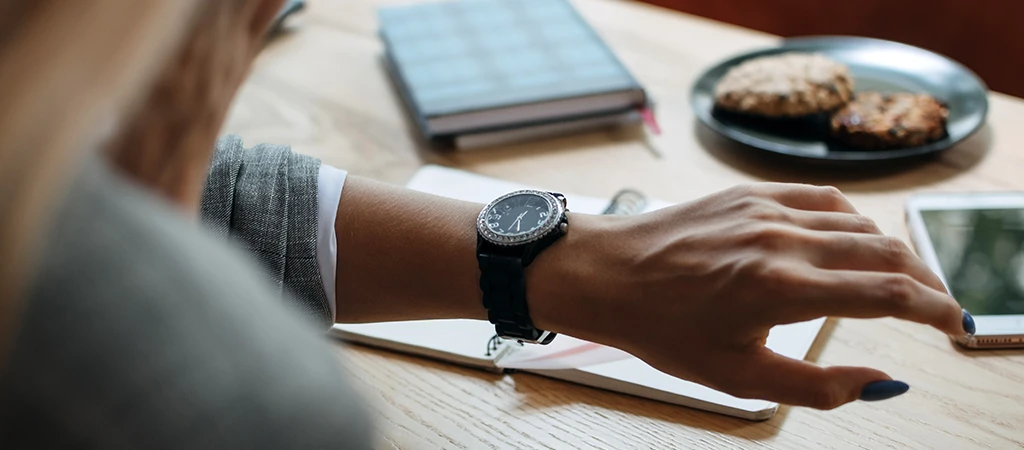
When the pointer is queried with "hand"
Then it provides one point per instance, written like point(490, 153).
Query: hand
point(694, 289)
point(167, 144)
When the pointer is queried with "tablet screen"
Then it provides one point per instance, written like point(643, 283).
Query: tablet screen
point(981, 253)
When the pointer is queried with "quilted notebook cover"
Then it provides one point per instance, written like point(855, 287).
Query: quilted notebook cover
point(470, 55)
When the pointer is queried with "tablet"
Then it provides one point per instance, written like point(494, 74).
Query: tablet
point(975, 243)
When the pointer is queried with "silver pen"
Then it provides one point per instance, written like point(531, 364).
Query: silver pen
point(627, 202)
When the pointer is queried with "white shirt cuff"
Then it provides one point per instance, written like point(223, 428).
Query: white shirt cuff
point(330, 181)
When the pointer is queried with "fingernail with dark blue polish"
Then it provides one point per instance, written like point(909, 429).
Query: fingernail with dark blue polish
point(883, 390)
point(969, 323)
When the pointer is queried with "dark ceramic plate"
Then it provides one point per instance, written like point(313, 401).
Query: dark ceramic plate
point(876, 65)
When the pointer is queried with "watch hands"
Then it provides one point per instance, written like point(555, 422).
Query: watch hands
point(519, 221)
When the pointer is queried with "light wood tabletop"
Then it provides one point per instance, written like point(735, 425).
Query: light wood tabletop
point(320, 87)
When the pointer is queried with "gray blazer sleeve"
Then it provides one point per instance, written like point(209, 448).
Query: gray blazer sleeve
point(265, 199)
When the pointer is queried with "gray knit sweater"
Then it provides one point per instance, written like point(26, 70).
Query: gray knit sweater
point(141, 330)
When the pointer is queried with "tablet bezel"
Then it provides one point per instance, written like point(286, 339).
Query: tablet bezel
point(990, 325)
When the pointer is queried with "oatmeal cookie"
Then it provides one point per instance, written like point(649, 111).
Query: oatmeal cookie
point(874, 121)
point(785, 86)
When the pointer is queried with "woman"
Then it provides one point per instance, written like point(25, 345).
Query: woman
point(138, 328)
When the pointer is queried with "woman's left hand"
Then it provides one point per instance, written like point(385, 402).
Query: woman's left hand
point(694, 289)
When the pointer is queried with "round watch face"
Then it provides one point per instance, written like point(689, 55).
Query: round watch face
point(520, 217)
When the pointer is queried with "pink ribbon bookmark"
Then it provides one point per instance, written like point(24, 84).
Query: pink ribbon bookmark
point(647, 115)
point(565, 352)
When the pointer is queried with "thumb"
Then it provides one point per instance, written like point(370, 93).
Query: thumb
point(800, 383)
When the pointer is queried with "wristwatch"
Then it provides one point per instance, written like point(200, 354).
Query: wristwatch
point(511, 231)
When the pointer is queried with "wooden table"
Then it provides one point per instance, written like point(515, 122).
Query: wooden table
point(321, 88)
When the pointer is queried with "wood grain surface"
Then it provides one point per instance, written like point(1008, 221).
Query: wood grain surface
point(320, 87)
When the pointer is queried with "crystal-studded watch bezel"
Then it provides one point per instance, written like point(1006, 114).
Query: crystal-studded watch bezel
point(551, 222)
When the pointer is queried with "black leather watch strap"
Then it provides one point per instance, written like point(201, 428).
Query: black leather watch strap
point(504, 296)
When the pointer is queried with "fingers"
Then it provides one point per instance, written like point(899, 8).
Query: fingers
point(853, 270)
point(833, 221)
point(858, 294)
point(871, 252)
point(810, 207)
point(772, 377)
point(805, 197)
point(853, 275)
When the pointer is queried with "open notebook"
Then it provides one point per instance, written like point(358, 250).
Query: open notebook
point(472, 342)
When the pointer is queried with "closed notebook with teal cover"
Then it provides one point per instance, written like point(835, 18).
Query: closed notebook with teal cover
point(472, 65)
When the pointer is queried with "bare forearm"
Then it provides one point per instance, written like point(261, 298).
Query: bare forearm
point(404, 255)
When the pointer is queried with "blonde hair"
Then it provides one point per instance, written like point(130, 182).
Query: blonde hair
point(68, 69)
